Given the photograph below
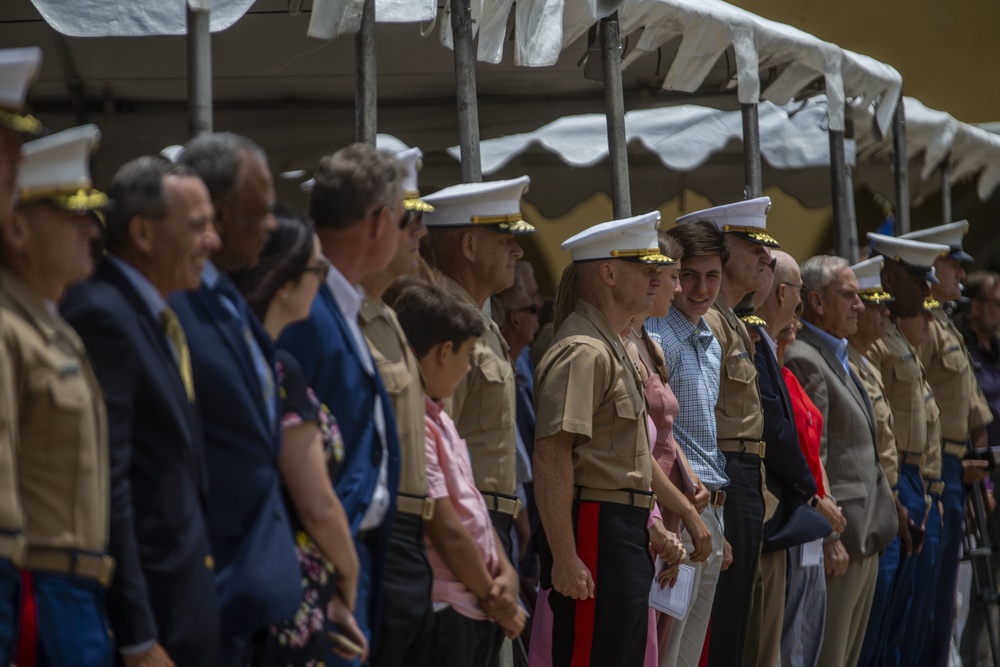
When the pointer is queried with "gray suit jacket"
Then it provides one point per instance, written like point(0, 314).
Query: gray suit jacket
point(847, 446)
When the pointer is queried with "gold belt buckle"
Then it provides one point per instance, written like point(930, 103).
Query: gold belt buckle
point(428, 510)
point(763, 448)
point(107, 571)
point(517, 508)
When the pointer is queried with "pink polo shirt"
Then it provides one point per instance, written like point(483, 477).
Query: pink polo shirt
point(449, 475)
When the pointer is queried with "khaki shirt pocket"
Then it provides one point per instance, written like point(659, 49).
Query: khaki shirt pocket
point(738, 376)
point(495, 399)
point(906, 371)
point(395, 376)
point(953, 359)
point(625, 429)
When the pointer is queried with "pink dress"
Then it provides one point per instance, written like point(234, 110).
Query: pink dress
point(663, 409)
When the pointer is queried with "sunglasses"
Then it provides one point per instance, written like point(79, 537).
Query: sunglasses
point(408, 217)
point(321, 268)
point(532, 309)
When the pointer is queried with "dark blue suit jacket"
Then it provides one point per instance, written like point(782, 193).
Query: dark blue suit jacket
point(257, 572)
point(329, 358)
point(158, 534)
point(788, 474)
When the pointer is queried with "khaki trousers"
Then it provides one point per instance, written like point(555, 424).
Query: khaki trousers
point(772, 608)
point(848, 605)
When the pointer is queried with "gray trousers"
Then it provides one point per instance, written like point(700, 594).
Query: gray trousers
point(805, 612)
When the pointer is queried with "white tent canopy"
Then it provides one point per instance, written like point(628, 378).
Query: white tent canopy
point(699, 34)
point(705, 144)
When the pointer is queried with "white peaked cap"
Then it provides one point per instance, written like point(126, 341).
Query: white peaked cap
point(950, 235)
point(492, 204)
point(744, 218)
point(914, 255)
point(869, 276)
point(411, 160)
point(56, 169)
point(18, 68)
point(634, 239)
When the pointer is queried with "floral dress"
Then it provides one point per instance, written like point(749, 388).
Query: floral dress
point(302, 641)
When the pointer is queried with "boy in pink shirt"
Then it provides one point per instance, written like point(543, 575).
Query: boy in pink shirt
point(475, 590)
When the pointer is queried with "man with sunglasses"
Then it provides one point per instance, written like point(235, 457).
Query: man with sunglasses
point(407, 614)
point(357, 204)
point(61, 454)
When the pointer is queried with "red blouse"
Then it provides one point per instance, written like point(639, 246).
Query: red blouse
point(809, 424)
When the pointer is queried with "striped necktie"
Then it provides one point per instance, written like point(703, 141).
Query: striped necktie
point(175, 334)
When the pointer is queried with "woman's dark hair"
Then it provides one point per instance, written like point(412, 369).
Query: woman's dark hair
point(430, 315)
point(285, 256)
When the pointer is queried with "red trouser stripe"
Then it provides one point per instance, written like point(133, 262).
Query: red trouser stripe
point(587, 525)
point(27, 641)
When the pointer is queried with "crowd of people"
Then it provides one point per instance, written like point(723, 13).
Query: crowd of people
point(235, 434)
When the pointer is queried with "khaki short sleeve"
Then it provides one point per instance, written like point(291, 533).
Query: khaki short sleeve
point(570, 383)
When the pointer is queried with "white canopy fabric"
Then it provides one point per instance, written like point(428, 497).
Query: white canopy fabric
point(933, 136)
point(135, 18)
point(794, 148)
point(682, 137)
point(705, 30)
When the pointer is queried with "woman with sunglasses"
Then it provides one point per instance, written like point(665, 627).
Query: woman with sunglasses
point(280, 290)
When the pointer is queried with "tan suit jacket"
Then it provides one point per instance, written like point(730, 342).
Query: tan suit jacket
point(847, 446)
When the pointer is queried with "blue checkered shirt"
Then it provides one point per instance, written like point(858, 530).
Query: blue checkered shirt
point(694, 362)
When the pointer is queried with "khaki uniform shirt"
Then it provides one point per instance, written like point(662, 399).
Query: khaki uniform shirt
point(909, 397)
point(62, 456)
point(885, 439)
point(484, 406)
point(401, 375)
point(950, 373)
point(587, 385)
point(738, 411)
point(11, 514)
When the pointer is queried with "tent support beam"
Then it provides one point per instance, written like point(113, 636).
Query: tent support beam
point(199, 66)
point(465, 91)
point(845, 226)
point(752, 186)
point(614, 112)
point(901, 169)
point(946, 212)
point(366, 81)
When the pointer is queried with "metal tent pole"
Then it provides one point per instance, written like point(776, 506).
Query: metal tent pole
point(614, 112)
point(901, 169)
point(199, 66)
point(752, 186)
point(946, 213)
point(465, 91)
point(845, 229)
point(365, 82)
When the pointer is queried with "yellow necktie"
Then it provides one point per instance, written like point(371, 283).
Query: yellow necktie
point(175, 333)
